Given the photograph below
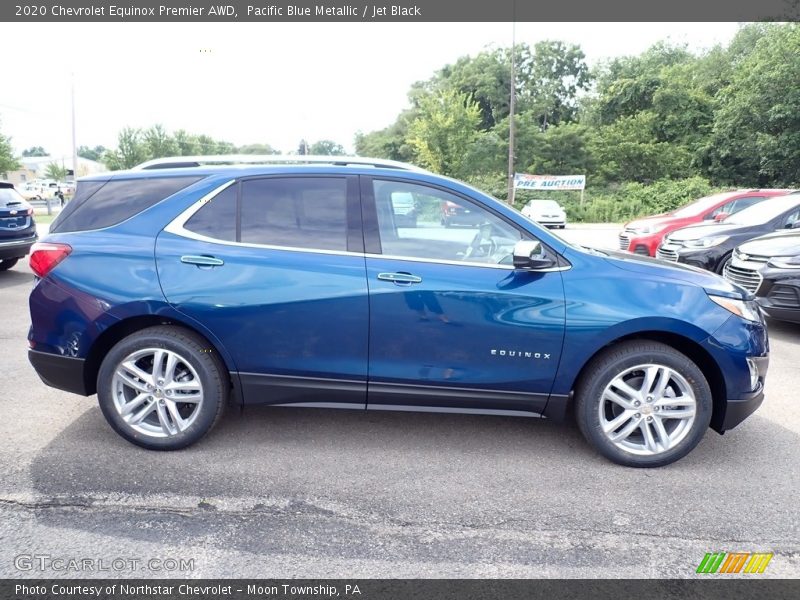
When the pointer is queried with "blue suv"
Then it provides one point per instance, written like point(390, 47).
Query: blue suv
point(171, 289)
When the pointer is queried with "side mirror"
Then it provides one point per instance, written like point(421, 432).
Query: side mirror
point(795, 225)
point(530, 255)
point(721, 217)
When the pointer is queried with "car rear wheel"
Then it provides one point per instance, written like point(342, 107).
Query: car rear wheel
point(162, 388)
point(7, 263)
point(643, 404)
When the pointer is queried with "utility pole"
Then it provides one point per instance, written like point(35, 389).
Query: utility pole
point(513, 93)
point(74, 139)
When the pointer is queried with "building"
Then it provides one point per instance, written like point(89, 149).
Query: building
point(35, 167)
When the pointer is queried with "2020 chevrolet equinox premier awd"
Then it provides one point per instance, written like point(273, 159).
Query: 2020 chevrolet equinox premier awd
point(170, 289)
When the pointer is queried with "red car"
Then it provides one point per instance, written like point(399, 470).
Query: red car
point(643, 236)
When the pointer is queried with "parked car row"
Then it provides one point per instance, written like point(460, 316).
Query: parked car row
point(17, 226)
point(45, 189)
point(750, 237)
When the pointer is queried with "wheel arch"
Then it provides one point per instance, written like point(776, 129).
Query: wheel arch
point(694, 351)
point(125, 327)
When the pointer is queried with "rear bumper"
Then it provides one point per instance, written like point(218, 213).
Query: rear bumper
point(61, 372)
point(16, 248)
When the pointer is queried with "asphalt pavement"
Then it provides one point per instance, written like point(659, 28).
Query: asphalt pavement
point(282, 492)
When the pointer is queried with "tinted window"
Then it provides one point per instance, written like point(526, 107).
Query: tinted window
point(116, 201)
point(444, 226)
point(10, 197)
point(84, 191)
point(764, 212)
point(298, 212)
point(217, 219)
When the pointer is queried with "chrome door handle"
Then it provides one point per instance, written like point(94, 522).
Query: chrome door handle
point(203, 261)
point(399, 277)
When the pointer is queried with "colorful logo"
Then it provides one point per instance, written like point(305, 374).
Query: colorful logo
point(734, 562)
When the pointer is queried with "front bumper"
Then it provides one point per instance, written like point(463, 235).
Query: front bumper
point(644, 244)
point(16, 248)
point(709, 259)
point(779, 293)
point(737, 410)
point(61, 372)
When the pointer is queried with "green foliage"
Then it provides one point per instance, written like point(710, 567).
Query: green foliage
point(628, 150)
point(257, 149)
point(446, 125)
point(34, 151)
point(7, 160)
point(95, 153)
point(55, 171)
point(756, 136)
point(326, 148)
point(620, 203)
point(135, 146)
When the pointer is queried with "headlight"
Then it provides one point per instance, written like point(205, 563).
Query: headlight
point(648, 229)
point(747, 309)
point(705, 242)
point(785, 262)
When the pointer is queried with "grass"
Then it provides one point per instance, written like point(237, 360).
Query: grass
point(45, 219)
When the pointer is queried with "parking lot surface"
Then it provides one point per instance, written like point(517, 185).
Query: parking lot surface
point(282, 492)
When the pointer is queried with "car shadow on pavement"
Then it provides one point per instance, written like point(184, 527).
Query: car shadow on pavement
point(14, 278)
point(251, 451)
point(317, 482)
point(289, 451)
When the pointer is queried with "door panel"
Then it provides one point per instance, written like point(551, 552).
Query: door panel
point(295, 322)
point(449, 331)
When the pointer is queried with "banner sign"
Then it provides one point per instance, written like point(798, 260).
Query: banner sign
point(549, 182)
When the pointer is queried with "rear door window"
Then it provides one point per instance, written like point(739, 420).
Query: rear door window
point(295, 212)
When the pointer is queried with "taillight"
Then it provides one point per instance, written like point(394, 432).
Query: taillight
point(46, 255)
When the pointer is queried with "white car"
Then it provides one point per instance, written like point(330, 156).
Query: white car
point(546, 212)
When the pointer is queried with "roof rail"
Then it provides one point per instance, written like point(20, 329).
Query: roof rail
point(175, 162)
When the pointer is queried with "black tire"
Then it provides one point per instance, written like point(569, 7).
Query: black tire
point(615, 361)
point(192, 349)
point(7, 263)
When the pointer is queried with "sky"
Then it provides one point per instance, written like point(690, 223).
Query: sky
point(259, 82)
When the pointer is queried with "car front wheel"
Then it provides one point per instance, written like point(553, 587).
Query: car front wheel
point(162, 388)
point(643, 404)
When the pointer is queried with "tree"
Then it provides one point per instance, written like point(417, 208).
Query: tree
point(553, 77)
point(756, 132)
point(158, 143)
point(55, 171)
point(302, 148)
point(627, 150)
point(627, 85)
point(389, 142)
point(446, 126)
point(257, 149)
point(95, 153)
point(326, 148)
point(130, 151)
point(35, 151)
point(7, 160)
point(186, 143)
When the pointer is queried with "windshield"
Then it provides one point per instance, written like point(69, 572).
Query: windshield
point(762, 212)
point(698, 207)
point(9, 195)
point(544, 204)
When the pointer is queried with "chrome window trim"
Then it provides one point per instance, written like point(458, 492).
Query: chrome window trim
point(177, 227)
